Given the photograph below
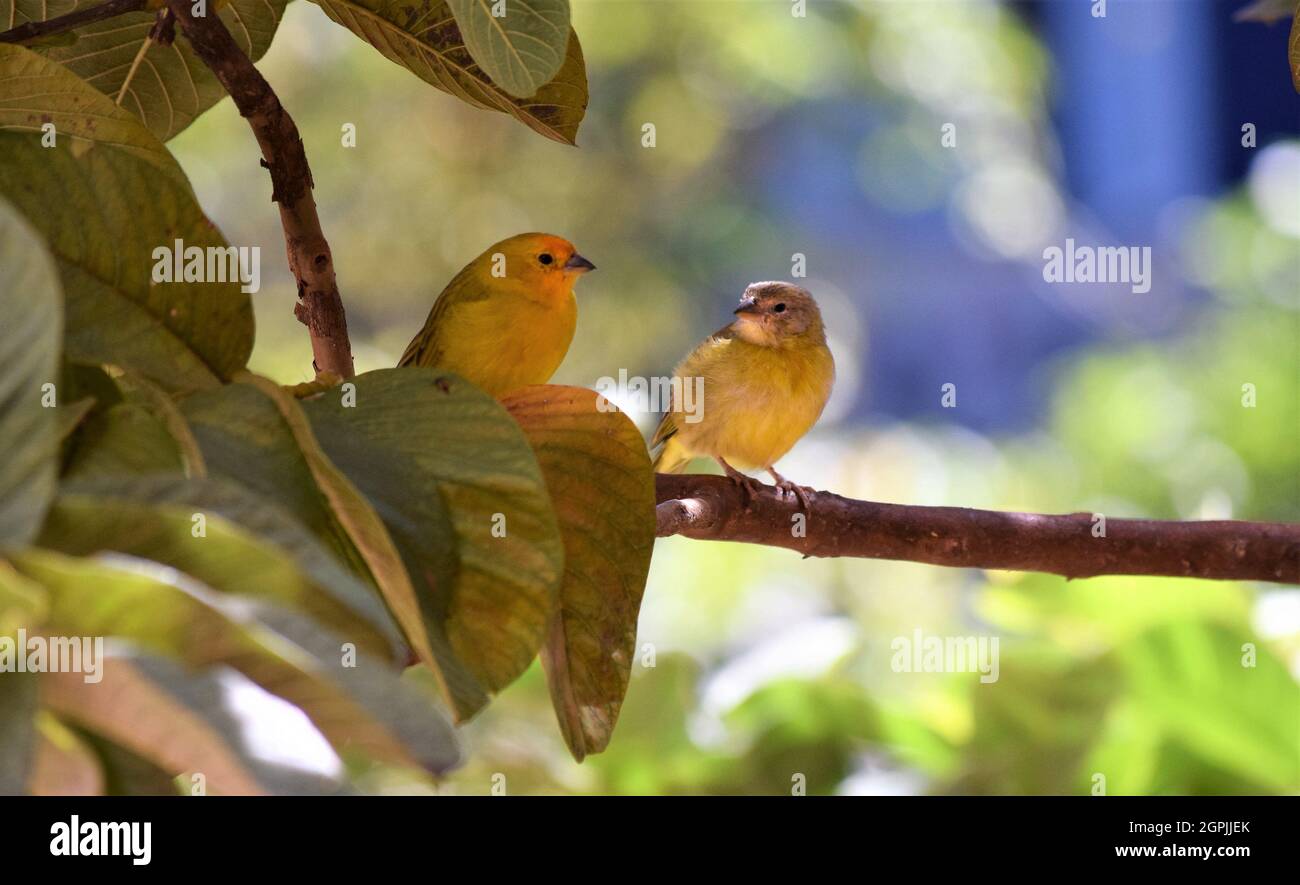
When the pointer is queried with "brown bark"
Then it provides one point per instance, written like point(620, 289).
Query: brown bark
point(319, 306)
point(714, 508)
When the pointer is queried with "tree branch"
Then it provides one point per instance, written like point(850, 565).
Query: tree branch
point(714, 508)
point(62, 23)
point(319, 306)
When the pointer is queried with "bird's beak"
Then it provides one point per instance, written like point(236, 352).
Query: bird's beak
point(748, 304)
point(578, 264)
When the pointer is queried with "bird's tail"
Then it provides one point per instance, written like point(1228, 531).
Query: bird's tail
point(672, 458)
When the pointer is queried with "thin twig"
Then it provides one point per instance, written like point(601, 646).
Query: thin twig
point(319, 306)
point(63, 23)
point(1076, 545)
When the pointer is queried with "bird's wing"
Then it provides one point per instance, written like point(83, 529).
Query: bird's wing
point(668, 424)
point(424, 349)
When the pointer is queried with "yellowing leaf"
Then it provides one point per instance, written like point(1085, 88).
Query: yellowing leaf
point(602, 488)
point(422, 36)
point(35, 92)
point(170, 86)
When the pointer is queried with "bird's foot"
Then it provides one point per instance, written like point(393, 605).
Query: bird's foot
point(748, 484)
point(803, 493)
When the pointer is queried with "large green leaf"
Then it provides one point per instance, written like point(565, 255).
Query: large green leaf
point(154, 518)
point(143, 391)
point(123, 439)
point(522, 49)
point(602, 488)
point(364, 709)
point(105, 196)
point(169, 86)
point(256, 435)
point(422, 36)
point(134, 427)
point(417, 441)
point(31, 308)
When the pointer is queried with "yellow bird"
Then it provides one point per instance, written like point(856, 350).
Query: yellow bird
point(506, 320)
point(767, 377)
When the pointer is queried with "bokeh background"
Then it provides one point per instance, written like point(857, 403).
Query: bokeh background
point(778, 135)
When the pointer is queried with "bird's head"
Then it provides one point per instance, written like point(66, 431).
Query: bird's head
point(540, 264)
point(777, 315)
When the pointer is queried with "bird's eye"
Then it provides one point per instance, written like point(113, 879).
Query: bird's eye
point(545, 258)
point(780, 308)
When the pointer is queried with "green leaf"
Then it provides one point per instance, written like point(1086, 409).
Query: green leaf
point(143, 391)
point(35, 91)
point(523, 49)
point(31, 308)
point(18, 738)
point(417, 441)
point(105, 196)
point(602, 488)
point(170, 86)
point(68, 417)
point(255, 434)
point(135, 427)
point(124, 439)
point(22, 602)
point(154, 518)
point(365, 708)
point(422, 36)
